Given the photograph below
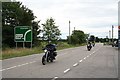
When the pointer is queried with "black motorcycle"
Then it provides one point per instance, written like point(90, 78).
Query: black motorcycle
point(47, 57)
point(93, 44)
point(89, 47)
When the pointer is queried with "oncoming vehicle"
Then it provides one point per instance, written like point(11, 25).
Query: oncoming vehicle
point(89, 46)
point(115, 43)
point(49, 54)
point(93, 43)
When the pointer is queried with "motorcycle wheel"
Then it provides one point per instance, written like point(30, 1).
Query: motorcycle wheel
point(88, 49)
point(48, 59)
point(51, 60)
point(43, 60)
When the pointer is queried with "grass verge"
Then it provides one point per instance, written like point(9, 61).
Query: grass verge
point(10, 53)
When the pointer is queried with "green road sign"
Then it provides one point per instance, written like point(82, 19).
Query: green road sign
point(23, 34)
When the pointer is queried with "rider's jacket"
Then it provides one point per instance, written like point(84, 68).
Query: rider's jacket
point(51, 47)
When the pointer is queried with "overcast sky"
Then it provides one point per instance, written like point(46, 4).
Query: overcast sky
point(91, 16)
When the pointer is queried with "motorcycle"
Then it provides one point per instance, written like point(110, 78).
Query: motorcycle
point(93, 44)
point(46, 57)
point(89, 47)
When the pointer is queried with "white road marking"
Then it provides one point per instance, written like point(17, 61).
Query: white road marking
point(80, 60)
point(32, 62)
point(8, 68)
point(88, 56)
point(75, 64)
point(67, 70)
point(17, 66)
point(54, 78)
point(84, 57)
point(94, 52)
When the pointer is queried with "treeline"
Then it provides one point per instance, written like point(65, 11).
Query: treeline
point(102, 40)
point(15, 14)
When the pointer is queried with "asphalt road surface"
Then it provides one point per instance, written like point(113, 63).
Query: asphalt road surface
point(100, 62)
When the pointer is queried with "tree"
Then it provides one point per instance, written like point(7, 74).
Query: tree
point(78, 37)
point(14, 14)
point(92, 38)
point(36, 30)
point(50, 30)
point(97, 39)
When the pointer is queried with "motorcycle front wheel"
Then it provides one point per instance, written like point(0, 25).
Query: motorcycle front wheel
point(43, 60)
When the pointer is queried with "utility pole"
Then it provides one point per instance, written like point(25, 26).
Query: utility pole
point(74, 29)
point(109, 36)
point(112, 33)
point(69, 34)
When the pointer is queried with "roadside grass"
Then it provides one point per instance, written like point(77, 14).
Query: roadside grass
point(10, 53)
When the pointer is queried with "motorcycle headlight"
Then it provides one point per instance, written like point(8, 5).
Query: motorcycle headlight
point(45, 50)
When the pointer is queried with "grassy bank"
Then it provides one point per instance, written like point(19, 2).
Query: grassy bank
point(10, 53)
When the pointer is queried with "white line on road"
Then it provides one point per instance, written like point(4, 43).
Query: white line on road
point(17, 66)
point(88, 56)
point(84, 57)
point(80, 60)
point(54, 78)
point(32, 62)
point(75, 64)
point(67, 70)
point(8, 68)
point(94, 52)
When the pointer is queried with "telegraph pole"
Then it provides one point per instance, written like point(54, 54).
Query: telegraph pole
point(74, 29)
point(112, 33)
point(69, 34)
point(109, 36)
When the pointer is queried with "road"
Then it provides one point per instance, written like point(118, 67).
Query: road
point(100, 62)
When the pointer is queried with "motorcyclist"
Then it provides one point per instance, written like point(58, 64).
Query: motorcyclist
point(89, 44)
point(52, 48)
point(93, 43)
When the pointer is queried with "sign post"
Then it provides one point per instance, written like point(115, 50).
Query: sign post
point(119, 40)
point(119, 37)
point(23, 34)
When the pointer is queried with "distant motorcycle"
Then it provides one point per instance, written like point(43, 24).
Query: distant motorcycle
point(46, 57)
point(89, 47)
point(93, 44)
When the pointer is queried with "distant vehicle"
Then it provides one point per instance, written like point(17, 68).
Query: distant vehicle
point(89, 46)
point(115, 44)
point(93, 43)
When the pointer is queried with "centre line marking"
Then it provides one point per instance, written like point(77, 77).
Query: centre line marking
point(67, 70)
point(80, 60)
point(84, 57)
point(75, 64)
point(17, 66)
point(88, 56)
point(54, 78)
